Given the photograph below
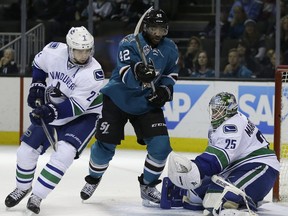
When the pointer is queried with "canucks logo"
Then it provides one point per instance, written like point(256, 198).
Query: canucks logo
point(54, 95)
point(184, 97)
point(229, 128)
point(98, 74)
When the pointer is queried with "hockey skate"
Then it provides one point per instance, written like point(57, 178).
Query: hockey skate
point(15, 197)
point(89, 187)
point(150, 195)
point(33, 204)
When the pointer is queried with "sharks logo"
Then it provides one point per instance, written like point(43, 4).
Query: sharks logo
point(146, 49)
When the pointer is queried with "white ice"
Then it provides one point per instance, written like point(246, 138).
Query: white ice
point(117, 195)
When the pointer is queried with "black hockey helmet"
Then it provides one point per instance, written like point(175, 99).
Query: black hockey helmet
point(156, 18)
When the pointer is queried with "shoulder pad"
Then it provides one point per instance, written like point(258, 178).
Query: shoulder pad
point(53, 45)
point(127, 39)
point(171, 43)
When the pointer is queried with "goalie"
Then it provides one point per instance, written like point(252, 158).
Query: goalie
point(238, 152)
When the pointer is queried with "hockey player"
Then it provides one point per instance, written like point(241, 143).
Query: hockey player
point(237, 152)
point(71, 104)
point(129, 96)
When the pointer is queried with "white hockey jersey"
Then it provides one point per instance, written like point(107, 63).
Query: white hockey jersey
point(79, 85)
point(235, 142)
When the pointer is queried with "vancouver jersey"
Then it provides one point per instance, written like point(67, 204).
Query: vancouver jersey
point(128, 93)
point(78, 86)
point(236, 142)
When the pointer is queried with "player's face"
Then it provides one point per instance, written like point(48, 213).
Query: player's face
point(156, 33)
point(81, 56)
point(214, 114)
point(216, 111)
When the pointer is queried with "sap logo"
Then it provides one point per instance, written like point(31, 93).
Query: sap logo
point(257, 102)
point(184, 97)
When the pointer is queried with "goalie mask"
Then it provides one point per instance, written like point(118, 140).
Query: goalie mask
point(155, 26)
point(80, 46)
point(222, 107)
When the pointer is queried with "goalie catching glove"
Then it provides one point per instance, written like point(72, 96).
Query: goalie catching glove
point(183, 172)
point(145, 74)
point(47, 112)
point(36, 93)
point(161, 95)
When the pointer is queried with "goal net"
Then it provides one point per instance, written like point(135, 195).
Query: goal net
point(280, 192)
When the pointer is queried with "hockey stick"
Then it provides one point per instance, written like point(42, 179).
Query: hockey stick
point(46, 131)
point(139, 47)
point(228, 187)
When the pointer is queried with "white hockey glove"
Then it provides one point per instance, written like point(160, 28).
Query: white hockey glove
point(183, 172)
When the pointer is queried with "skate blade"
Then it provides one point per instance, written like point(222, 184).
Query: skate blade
point(27, 212)
point(150, 204)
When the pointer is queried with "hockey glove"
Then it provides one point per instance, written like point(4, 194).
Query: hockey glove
point(47, 112)
point(36, 93)
point(143, 73)
point(161, 95)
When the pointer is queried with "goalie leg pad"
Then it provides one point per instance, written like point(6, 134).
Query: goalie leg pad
point(231, 198)
point(171, 195)
point(193, 201)
point(183, 172)
point(210, 200)
point(195, 206)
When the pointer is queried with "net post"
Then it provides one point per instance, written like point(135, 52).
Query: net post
point(277, 122)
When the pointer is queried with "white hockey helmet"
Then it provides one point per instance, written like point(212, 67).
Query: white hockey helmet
point(79, 38)
point(222, 107)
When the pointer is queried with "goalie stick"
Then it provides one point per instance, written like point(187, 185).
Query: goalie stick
point(46, 131)
point(139, 47)
point(228, 187)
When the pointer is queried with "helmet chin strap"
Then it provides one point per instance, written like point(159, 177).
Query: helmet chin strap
point(73, 60)
point(82, 64)
point(78, 64)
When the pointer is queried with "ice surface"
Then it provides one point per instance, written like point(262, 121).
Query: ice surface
point(117, 195)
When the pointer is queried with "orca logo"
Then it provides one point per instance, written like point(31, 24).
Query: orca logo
point(53, 45)
point(184, 97)
point(230, 129)
point(98, 74)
